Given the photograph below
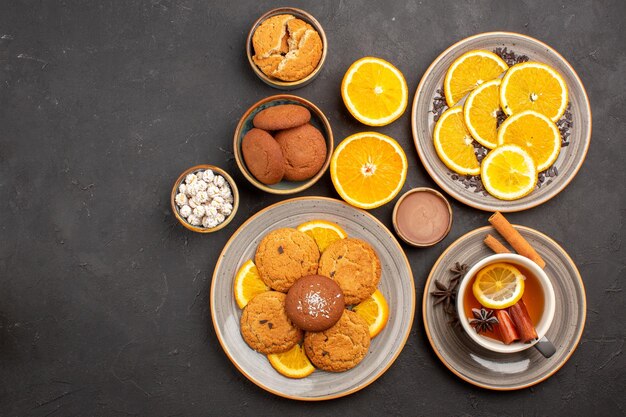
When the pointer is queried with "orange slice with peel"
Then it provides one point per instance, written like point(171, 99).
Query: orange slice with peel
point(375, 311)
point(293, 364)
point(498, 285)
point(469, 71)
point(248, 283)
point(454, 143)
point(323, 232)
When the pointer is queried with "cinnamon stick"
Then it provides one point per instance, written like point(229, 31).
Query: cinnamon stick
point(514, 238)
point(495, 244)
point(522, 321)
point(508, 332)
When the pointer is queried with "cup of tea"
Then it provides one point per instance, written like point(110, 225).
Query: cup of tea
point(494, 314)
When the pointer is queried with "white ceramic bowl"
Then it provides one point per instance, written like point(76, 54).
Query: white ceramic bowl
point(544, 322)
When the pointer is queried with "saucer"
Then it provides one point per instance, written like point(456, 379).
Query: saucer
point(506, 371)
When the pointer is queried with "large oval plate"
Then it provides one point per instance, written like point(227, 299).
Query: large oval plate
point(571, 157)
point(506, 371)
point(396, 284)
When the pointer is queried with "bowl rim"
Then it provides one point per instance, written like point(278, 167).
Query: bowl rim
point(233, 188)
point(395, 212)
point(300, 14)
point(546, 318)
point(328, 136)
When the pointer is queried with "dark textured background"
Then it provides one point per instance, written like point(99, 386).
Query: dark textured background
point(104, 297)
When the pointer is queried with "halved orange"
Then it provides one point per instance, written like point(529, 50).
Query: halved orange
point(248, 283)
point(375, 311)
point(498, 285)
point(454, 143)
point(535, 133)
point(469, 71)
point(480, 113)
point(374, 91)
point(534, 86)
point(368, 169)
point(323, 232)
point(508, 172)
point(293, 364)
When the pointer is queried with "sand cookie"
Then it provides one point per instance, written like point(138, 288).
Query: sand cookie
point(265, 326)
point(286, 48)
point(342, 346)
point(263, 156)
point(284, 255)
point(354, 265)
point(283, 116)
point(304, 150)
point(271, 37)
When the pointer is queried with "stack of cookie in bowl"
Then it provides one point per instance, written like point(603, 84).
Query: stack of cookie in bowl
point(303, 301)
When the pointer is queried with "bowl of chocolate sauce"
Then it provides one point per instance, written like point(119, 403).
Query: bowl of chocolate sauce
point(422, 217)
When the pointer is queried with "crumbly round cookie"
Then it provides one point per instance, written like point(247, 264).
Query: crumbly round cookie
point(271, 36)
point(354, 265)
point(304, 150)
point(265, 326)
point(301, 61)
point(314, 303)
point(342, 346)
point(263, 156)
point(283, 116)
point(284, 255)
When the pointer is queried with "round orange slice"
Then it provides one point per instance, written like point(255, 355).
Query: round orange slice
point(480, 113)
point(375, 311)
point(535, 133)
point(368, 169)
point(374, 91)
point(534, 86)
point(293, 364)
point(323, 232)
point(508, 172)
point(454, 143)
point(470, 70)
point(248, 283)
point(498, 285)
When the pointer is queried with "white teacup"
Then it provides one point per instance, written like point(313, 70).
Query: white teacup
point(542, 326)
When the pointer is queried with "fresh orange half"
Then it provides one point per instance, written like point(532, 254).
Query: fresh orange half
point(248, 283)
point(470, 70)
point(375, 311)
point(535, 133)
point(323, 232)
point(508, 172)
point(368, 169)
point(498, 285)
point(454, 143)
point(293, 364)
point(534, 86)
point(374, 91)
point(480, 113)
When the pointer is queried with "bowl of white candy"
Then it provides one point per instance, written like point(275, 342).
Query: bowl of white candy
point(204, 198)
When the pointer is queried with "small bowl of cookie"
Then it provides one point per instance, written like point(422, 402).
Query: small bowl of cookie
point(286, 48)
point(204, 198)
point(283, 144)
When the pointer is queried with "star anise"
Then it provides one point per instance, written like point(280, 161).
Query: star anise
point(484, 320)
point(445, 295)
point(458, 271)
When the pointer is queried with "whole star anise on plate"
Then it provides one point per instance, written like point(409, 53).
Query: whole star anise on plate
point(484, 320)
point(445, 295)
point(458, 271)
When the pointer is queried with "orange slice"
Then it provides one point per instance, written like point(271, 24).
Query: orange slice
point(535, 133)
point(480, 113)
point(323, 232)
point(534, 86)
point(293, 364)
point(453, 143)
point(368, 169)
point(248, 283)
point(374, 91)
point(508, 172)
point(498, 285)
point(375, 311)
point(469, 71)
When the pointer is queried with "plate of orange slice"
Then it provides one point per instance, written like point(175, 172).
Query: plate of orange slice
point(501, 121)
point(388, 312)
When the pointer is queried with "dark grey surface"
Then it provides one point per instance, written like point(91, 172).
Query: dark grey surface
point(104, 297)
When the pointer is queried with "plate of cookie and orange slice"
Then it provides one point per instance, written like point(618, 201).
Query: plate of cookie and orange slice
point(291, 248)
point(501, 121)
